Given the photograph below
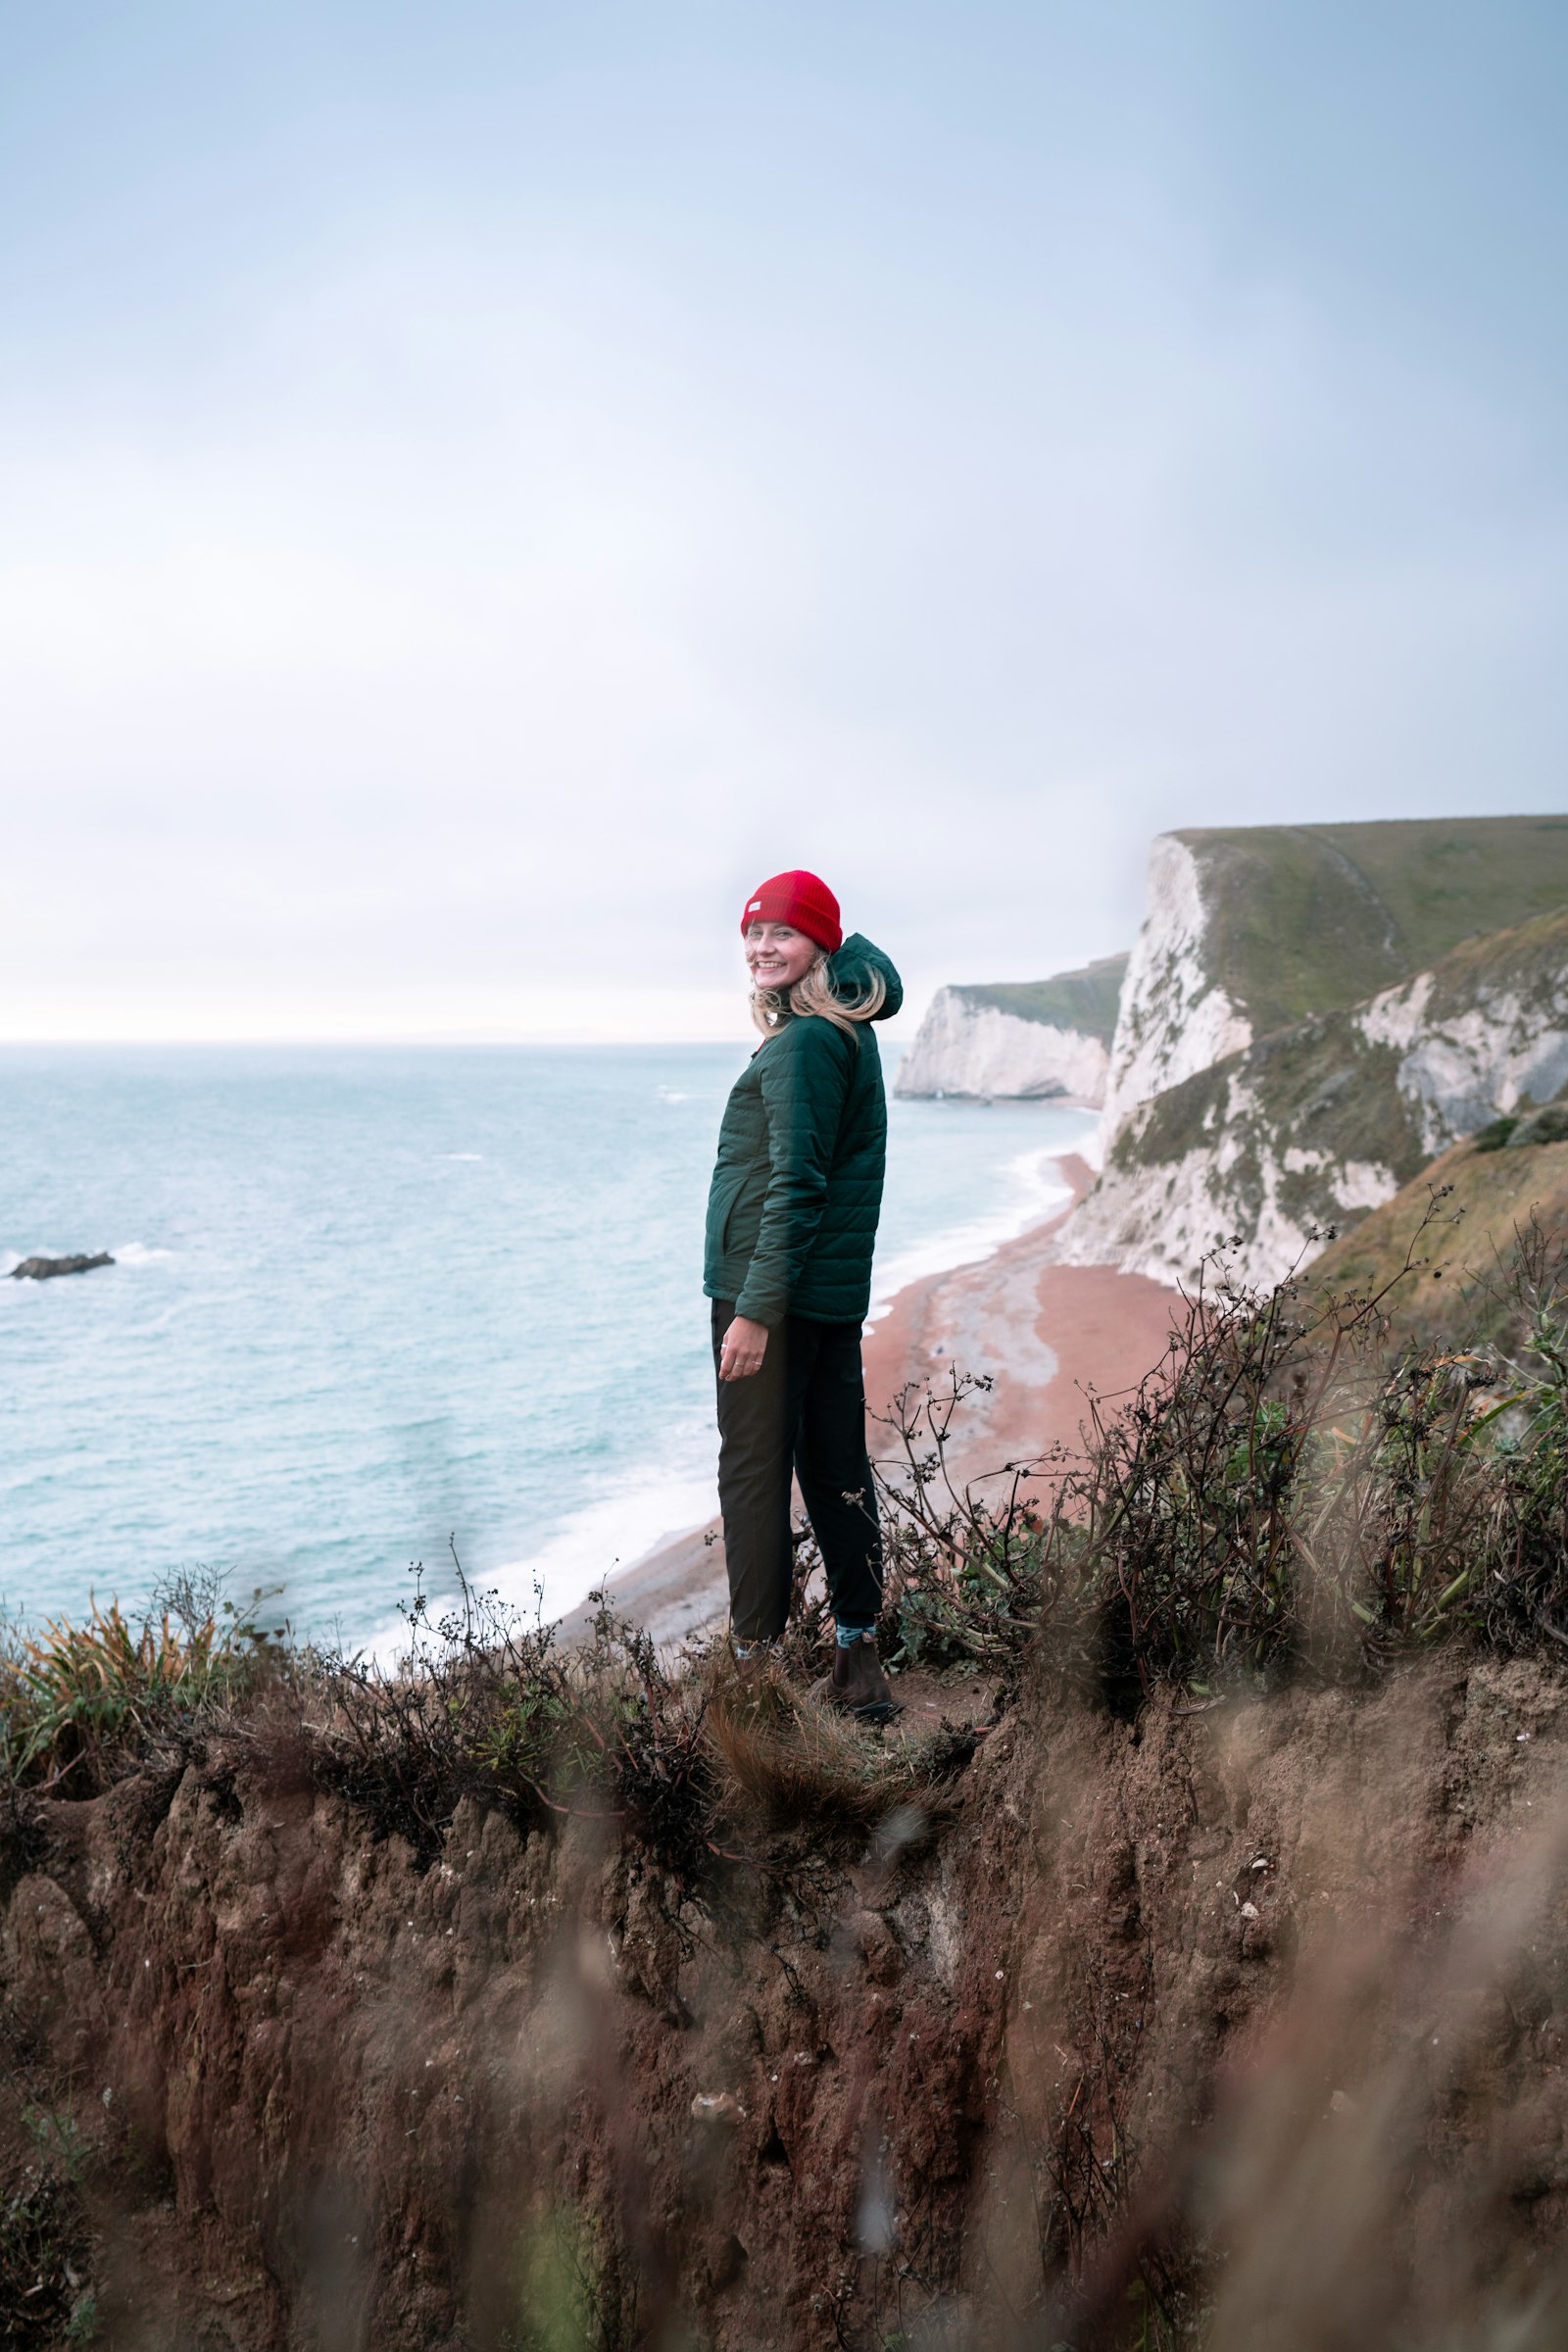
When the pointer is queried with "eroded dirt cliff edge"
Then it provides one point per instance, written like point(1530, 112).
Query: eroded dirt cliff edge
point(1165, 2024)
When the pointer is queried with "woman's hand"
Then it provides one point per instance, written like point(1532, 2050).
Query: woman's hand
point(742, 1349)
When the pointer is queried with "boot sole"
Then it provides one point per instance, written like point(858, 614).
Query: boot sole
point(871, 1710)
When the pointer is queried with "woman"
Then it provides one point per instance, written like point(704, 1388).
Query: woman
point(790, 1222)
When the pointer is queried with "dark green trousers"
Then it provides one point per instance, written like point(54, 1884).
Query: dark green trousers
point(804, 1412)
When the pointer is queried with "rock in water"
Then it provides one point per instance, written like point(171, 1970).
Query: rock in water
point(39, 1269)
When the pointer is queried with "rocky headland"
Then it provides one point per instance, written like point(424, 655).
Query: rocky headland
point(1018, 1040)
point(1310, 1015)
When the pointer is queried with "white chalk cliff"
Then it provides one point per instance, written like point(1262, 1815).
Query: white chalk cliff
point(1311, 1014)
point(966, 1048)
point(1036, 1039)
point(1321, 1121)
point(1176, 1015)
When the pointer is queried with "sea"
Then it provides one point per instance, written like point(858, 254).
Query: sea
point(376, 1309)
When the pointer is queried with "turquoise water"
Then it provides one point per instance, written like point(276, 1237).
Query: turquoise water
point(369, 1298)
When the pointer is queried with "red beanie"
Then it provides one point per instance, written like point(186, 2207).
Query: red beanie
point(801, 901)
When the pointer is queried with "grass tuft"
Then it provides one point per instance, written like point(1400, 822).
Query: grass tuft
point(80, 1703)
point(788, 1763)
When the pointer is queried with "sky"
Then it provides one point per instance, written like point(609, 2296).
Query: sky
point(482, 485)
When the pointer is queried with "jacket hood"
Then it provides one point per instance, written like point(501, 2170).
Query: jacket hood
point(850, 971)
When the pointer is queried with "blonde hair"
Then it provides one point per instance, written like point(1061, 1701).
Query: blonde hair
point(814, 993)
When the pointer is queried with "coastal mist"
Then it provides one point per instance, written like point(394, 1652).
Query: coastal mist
point(370, 1301)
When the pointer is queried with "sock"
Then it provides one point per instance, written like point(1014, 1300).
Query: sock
point(850, 1633)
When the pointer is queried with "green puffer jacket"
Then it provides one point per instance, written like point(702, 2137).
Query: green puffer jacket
point(792, 1207)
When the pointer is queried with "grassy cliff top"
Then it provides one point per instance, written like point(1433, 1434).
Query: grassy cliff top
point(1086, 1000)
point(1305, 918)
point(1466, 1248)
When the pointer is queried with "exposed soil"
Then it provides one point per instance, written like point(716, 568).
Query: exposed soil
point(1149, 1989)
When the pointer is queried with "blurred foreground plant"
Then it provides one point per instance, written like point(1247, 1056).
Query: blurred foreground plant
point(681, 1754)
point(79, 1702)
point(488, 1705)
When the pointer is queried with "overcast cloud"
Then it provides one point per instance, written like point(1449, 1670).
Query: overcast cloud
point(480, 486)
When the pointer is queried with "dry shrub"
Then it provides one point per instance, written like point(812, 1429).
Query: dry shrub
point(1283, 1489)
point(488, 1705)
point(788, 1763)
point(1283, 1486)
point(974, 1572)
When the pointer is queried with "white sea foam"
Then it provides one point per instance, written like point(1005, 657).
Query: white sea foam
point(460, 1156)
point(139, 1253)
point(1037, 1189)
point(597, 1543)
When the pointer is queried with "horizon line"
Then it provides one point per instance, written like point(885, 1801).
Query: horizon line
point(453, 1036)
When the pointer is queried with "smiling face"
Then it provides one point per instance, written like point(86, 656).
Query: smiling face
point(777, 955)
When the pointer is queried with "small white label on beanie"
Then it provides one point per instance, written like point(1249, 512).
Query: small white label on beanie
point(756, 907)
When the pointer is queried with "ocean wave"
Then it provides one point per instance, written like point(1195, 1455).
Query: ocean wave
point(460, 1156)
point(139, 1253)
point(672, 1093)
point(601, 1540)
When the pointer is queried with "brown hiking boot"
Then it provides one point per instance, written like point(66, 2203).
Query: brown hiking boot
point(859, 1685)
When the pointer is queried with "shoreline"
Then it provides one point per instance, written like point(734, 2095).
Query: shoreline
point(1045, 1332)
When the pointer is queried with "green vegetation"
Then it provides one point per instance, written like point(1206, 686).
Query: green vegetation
point(570, 2296)
point(1306, 918)
point(1086, 1000)
point(45, 2239)
point(1465, 1261)
point(1303, 1113)
point(76, 1702)
point(1296, 1483)
point(1549, 1125)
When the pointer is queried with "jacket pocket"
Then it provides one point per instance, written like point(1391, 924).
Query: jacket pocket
point(721, 1200)
point(742, 1219)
